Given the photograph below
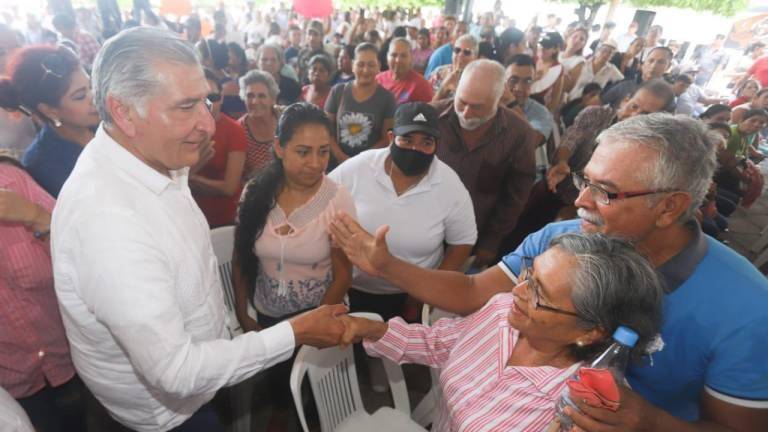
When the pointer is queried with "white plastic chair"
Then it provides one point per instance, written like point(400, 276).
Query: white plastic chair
point(223, 242)
point(333, 379)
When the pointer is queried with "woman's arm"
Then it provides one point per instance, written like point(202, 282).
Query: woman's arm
point(383, 142)
point(557, 94)
point(455, 257)
point(231, 182)
point(572, 77)
point(341, 269)
point(241, 297)
point(14, 208)
point(336, 151)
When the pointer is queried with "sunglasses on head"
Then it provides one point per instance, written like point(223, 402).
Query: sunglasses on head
point(53, 65)
point(213, 97)
point(466, 52)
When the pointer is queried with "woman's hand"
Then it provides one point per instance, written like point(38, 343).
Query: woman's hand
point(248, 324)
point(16, 209)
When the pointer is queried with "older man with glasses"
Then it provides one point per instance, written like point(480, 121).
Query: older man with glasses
point(641, 184)
point(445, 79)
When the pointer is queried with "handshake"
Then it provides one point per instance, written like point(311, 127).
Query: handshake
point(329, 325)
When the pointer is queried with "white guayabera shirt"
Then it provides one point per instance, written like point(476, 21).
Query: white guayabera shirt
point(140, 297)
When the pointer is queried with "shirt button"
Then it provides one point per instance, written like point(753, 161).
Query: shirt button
point(41, 353)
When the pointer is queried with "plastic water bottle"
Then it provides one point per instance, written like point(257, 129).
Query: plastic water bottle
point(615, 359)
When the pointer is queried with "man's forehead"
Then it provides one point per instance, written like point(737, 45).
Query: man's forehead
point(181, 82)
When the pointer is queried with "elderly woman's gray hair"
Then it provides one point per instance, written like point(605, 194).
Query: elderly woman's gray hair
point(277, 50)
point(256, 76)
point(613, 286)
point(126, 66)
point(474, 43)
point(686, 148)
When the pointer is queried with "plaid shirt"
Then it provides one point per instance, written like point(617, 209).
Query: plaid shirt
point(88, 47)
point(33, 346)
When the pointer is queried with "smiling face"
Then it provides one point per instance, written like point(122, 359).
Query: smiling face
point(399, 58)
point(176, 120)
point(550, 282)
point(366, 66)
point(305, 156)
point(258, 101)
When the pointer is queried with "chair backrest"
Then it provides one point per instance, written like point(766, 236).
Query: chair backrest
point(223, 242)
point(333, 379)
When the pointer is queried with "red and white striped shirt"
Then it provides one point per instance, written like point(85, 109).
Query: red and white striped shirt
point(480, 391)
point(33, 346)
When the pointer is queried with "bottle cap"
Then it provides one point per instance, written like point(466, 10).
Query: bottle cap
point(625, 336)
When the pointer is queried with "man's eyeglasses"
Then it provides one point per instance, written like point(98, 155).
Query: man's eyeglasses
point(213, 97)
point(602, 196)
point(534, 289)
point(466, 52)
point(525, 82)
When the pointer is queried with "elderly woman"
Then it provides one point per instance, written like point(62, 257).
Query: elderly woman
point(269, 58)
point(259, 92)
point(597, 69)
point(504, 366)
point(50, 84)
point(445, 78)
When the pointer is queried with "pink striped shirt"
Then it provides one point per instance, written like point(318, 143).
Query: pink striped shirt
point(480, 391)
point(33, 346)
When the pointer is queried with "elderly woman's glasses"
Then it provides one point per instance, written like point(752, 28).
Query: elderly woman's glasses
point(534, 289)
point(602, 196)
point(213, 97)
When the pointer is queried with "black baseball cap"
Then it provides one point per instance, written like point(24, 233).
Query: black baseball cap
point(416, 117)
point(551, 40)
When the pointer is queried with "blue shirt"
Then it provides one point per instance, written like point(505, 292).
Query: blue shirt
point(441, 56)
point(715, 327)
point(50, 159)
point(538, 116)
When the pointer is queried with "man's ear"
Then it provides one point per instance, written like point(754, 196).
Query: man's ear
point(672, 207)
point(123, 116)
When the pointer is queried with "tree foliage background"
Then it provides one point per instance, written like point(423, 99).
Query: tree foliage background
point(587, 9)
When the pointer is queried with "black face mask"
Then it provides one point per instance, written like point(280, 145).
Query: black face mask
point(410, 162)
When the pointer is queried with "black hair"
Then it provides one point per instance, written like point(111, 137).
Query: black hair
point(510, 36)
point(714, 110)
point(239, 52)
point(659, 89)
point(366, 46)
point(260, 193)
point(323, 60)
point(754, 112)
point(522, 60)
point(683, 78)
point(218, 52)
point(592, 87)
point(400, 31)
point(720, 126)
point(210, 76)
point(424, 32)
point(486, 50)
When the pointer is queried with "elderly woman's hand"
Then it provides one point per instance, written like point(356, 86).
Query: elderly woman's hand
point(367, 252)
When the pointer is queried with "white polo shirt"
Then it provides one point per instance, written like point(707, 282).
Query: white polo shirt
point(139, 293)
point(437, 210)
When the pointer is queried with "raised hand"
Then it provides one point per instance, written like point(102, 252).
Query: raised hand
point(320, 327)
point(367, 252)
point(556, 174)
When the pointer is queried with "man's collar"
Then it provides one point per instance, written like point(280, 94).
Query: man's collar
point(125, 161)
point(680, 267)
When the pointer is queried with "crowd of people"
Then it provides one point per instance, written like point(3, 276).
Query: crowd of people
point(546, 185)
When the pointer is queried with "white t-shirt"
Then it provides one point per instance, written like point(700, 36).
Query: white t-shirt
point(438, 209)
point(608, 73)
point(13, 418)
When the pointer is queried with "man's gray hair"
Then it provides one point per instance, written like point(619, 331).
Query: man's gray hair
point(494, 68)
point(278, 52)
point(687, 153)
point(613, 286)
point(126, 66)
point(475, 45)
point(256, 76)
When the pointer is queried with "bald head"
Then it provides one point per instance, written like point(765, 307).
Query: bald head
point(478, 93)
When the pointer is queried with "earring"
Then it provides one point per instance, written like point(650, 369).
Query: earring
point(57, 123)
point(580, 344)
